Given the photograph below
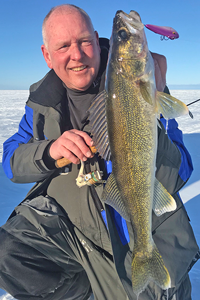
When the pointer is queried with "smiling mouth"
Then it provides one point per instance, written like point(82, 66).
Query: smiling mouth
point(77, 69)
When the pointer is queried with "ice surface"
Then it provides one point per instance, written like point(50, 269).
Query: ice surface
point(12, 109)
point(6, 297)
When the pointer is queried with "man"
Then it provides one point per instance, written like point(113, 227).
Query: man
point(58, 243)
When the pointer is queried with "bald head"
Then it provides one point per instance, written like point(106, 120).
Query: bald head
point(63, 9)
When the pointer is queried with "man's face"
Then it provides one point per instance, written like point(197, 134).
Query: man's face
point(72, 50)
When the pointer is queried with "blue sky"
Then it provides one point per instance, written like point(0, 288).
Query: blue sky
point(21, 60)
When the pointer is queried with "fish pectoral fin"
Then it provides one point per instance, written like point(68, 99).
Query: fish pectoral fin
point(112, 197)
point(162, 201)
point(170, 107)
point(145, 91)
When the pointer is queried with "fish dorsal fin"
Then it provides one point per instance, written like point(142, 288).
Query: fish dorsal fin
point(169, 106)
point(97, 118)
point(111, 196)
point(162, 202)
point(145, 91)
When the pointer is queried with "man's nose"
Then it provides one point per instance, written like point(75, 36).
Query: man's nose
point(76, 51)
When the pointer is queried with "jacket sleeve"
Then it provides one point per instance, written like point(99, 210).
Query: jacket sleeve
point(173, 163)
point(23, 155)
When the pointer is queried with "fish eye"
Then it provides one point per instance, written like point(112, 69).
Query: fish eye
point(122, 34)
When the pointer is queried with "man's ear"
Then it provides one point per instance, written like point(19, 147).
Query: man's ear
point(97, 40)
point(46, 55)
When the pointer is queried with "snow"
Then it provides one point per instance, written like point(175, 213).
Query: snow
point(12, 109)
point(6, 297)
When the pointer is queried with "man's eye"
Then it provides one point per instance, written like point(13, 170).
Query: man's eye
point(63, 47)
point(86, 42)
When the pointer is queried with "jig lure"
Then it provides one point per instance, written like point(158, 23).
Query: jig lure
point(165, 31)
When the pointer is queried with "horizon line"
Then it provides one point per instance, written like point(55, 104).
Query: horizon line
point(170, 86)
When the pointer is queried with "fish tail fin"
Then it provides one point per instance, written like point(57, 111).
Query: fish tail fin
point(147, 267)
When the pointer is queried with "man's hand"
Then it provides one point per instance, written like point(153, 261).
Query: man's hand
point(73, 145)
point(160, 63)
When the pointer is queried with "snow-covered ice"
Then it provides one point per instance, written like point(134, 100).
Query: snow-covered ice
point(6, 297)
point(12, 109)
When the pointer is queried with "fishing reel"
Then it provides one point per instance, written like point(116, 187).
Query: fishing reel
point(91, 178)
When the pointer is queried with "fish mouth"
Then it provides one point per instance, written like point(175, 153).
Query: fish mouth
point(132, 20)
point(128, 30)
point(78, 69)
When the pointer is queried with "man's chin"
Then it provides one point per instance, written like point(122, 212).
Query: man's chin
point(81, 86)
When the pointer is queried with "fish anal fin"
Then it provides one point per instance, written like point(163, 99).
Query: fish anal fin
point(112, 197)
point(162, 202)
point(169, 106)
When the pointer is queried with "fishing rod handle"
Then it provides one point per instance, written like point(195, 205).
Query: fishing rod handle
point(62, 162)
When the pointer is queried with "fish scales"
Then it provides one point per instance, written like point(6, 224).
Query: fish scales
point(135, 180)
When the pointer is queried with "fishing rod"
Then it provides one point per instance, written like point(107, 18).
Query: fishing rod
point(193, 102)
point(191, 115)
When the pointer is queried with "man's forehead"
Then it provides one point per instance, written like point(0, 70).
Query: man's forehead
point(68, 24)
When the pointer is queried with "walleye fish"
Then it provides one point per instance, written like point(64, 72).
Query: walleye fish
point(124, 127)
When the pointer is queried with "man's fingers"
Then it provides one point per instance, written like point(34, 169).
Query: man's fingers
point(88, 140)
point(72, 151)
point(64, 161)
point(160, 63)
point(73, 145)
point(79, 143)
